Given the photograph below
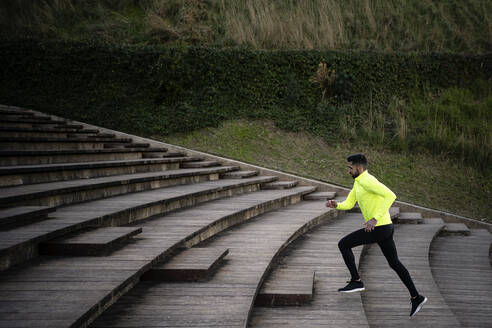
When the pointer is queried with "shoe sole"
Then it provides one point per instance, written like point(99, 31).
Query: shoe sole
point(420, 306)
point(352, 290)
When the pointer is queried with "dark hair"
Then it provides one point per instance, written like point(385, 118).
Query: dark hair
point(358, 159)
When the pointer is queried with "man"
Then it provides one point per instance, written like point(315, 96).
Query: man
point(374, 200)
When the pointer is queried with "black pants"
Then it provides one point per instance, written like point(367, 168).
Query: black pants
point(383, 235)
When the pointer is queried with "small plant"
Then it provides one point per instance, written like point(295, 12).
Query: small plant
point(325, 77)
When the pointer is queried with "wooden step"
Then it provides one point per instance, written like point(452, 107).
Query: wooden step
point(194, 165)
point(87, 243)
point(321, 195)
point(23, 214)
point(19, 245)
point(280, 185)
point(193, 264)
point(409, 218)
point(36, 157)
point(78, 289)
point(239, 174)
point(455, 229)
point(287, 288)
point(29, 174)
point(75, 191)
point(31, 143)
point(8, 111)
point(41, 132)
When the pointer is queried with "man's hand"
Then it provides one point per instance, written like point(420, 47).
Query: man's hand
point(331, 203)
point(369, 225)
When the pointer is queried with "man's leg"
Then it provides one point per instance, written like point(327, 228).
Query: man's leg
point(354, 239)
point(389, 251)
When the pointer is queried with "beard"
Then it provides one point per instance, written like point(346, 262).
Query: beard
point(355, 175)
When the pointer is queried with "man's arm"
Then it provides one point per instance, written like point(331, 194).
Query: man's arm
point(347, 204)
point(388, 197)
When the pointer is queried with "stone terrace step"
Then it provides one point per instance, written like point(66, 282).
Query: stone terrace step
point(239, 174)
point(87, 243)
point(287, 288)
point(51, 132)
point(52, 143)
point(194, 165)
point(76, 191)
point(191, 265)
point(23, 214)
point(37, 157)
point(252, 245)
point(409, 218)
point(317, 251)
point(461, 267)
point(18, 245)
point(29, 174)
point(54, 292)
point(322, 195)
point(281, 185)
point(455, 229)
point(386, 300)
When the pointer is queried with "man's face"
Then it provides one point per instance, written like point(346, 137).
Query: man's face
point(354, 170)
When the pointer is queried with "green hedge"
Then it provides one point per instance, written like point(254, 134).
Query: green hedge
point(159, 90)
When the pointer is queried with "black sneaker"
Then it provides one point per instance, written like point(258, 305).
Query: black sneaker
point(417, 303)
point(353, 286)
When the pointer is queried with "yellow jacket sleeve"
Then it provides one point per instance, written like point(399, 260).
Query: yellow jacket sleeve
point(374, 186)
point(348, 203)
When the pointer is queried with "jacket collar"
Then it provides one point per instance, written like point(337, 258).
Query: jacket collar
point(362, 175)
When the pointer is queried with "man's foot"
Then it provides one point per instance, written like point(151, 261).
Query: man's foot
point(417, 303)
point(353, 286)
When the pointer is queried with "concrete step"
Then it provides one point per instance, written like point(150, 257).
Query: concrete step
point(239, 174)
point(198, 164)
point(19, 245)
point(41, 132)
point(281, 185)
point(99, 241)
point(287, 288)
point(321, 195)
point(78, 289)
point(23, 143)
point(194, 264)
point(30, 174)
point(82, 190)
point(37, 157)
point(409, 218)
point(8, 111)
point(21, 215)
point(459, 229)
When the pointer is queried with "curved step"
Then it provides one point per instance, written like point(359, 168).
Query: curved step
point(225, 299)
point(317, 251)
point(29, 174)
point(461, 266)
point(19, 245)
point(386, 300)
point(76, 191)
point(31, 157)
point(56, 143)
point(75, 290)
point(45, 132)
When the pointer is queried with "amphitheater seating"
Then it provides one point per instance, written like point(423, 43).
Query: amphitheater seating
point(88, 216)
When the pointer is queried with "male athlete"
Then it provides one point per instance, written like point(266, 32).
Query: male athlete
point(374, 200)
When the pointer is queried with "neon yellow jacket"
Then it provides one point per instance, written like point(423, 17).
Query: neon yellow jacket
point(374, 199)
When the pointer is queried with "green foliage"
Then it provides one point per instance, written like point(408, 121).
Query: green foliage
point(150, 90)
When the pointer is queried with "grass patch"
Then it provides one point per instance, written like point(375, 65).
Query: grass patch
point(417, 25)
point(420, 178)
